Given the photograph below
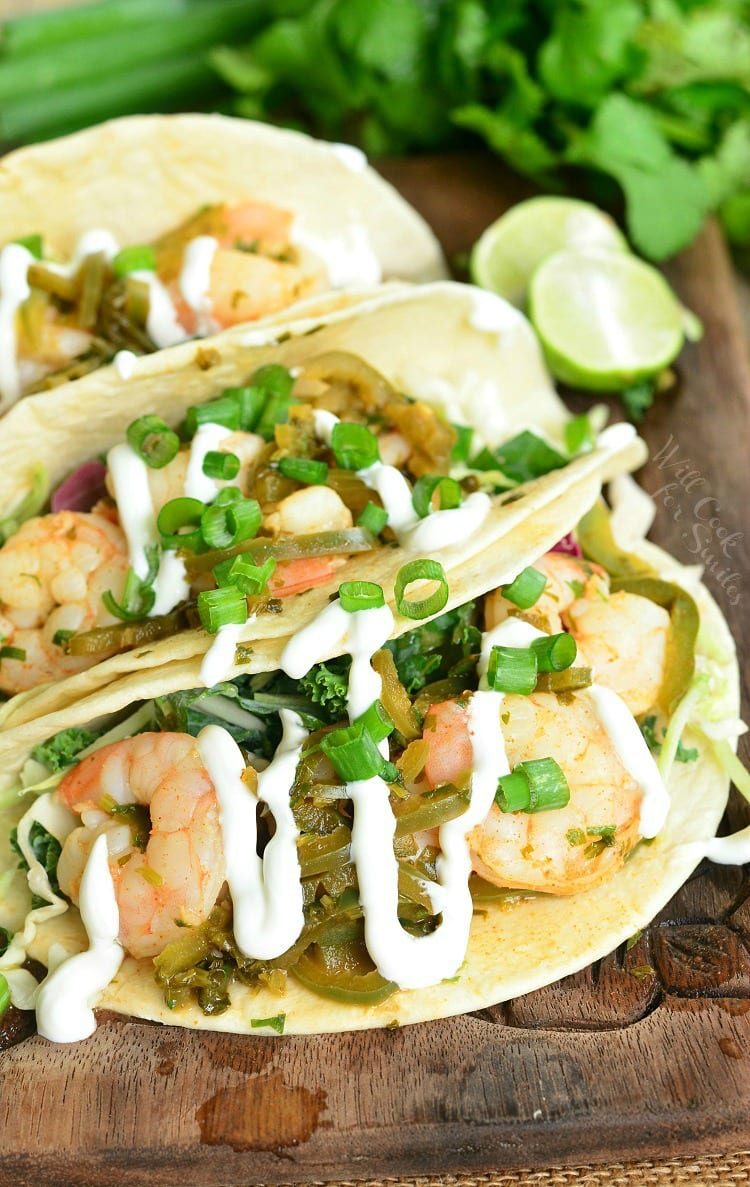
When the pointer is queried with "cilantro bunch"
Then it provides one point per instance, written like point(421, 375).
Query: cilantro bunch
point(646, 101)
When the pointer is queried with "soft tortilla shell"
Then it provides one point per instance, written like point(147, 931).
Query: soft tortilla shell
point(513, 949)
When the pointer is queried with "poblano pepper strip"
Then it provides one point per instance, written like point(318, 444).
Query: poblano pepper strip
point(684, 624)
point(594, 533)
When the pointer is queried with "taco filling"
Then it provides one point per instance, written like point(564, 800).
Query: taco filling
point(260, 495)
point(61, 319)
point(338, 823)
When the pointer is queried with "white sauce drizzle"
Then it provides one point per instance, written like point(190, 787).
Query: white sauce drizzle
point(195, 279)
point(334, 631)
point(14, 289)
point(266, 892)
point(613, 715)
point(124, 363)
point(729, 851)
point(171, 585)
point(64, 1004)
point(351, 156)
point(349, 257)
point(219, 659)
point(162, 324)
point(129, 475)
point(197, 484)
point(439, 529)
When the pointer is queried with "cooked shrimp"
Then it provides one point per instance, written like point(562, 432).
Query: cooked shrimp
point(169, 481)
point(312, 509)
point(622, 636)
point(554, 851)
point(245, 286)
point(177, 879)
point(53, 573)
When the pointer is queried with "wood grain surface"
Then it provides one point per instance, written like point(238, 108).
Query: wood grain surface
point(608, 1064)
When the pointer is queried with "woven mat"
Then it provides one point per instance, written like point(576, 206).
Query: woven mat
point(711, 1170)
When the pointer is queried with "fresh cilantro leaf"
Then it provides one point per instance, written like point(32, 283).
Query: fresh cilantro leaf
point(638, 398)
point(686, 753)
point(682, 754)
point(61, 751)
point(590, 49)
point(666, 199)
point(522, 459)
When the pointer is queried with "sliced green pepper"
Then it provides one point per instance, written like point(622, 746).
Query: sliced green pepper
point(594, 533)
point(343, 973)
point(684, 624)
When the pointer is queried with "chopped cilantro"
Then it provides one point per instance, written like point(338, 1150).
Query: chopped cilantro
point(276, 1023)
point(683, 753)
point(638, 399)
point(575, 836)
point(642, 972)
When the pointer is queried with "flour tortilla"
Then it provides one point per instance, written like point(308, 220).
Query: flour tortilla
point(430, 341)
point(513, 948)
point(141, 176)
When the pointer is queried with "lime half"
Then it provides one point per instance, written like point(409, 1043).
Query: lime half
point(605, 319)
point(509, 252)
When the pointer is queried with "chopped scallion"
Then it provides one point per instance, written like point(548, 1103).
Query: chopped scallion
point(546, 788)
point(449, 494)
point(245, 576)
point(360, 595)
point(221, 607)
point(526, 590)
point(303, 469)
point(179, 523)
point(138, 597)
point(276, 1023)
point(12, 653)
point(139, 257)
point(377, 722)
point(250, 401)
point(230, 524)
point(421, 570)
point(224, 466)
point(153, 441)
point(354, 446)
point(224, 410)
point(373, 517)
point(512, 670)
point(555, 653)
point(353, 752)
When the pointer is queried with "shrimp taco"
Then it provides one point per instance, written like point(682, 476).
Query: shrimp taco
point(234, 498)
point(405, 810)
point(144, 232)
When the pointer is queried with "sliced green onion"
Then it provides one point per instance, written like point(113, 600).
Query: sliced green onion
point(579, 435)
point(545, 790)
point(373, 518)
point(139, 257)
point(527, 588)
point(240, 572)
point(377, 722)
point(227, 495)
point(513, 792)
point(273, 380)
point(33, 244)
point(353, 752)
point(221, 607)
point(179, 523)
point(421, 570)
point(12, 653)
point(555, 653)
point(224, 466)
point(275, 412)
point(225, 526)
point(224, 410)
point(303, 469)
point(138, 597)
point(448, 491)
point(360, 595)
point(462, 448)
point(4, 995)
point(250, 402)
point(354, 446)
point(153, 441)
point(512, 669)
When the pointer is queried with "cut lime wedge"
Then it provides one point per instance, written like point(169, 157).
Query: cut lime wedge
point(605, 319)
point(509, 252)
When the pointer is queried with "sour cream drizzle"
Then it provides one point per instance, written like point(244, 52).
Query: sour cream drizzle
point(349, 256)
point(614, 717)
point(162, 324)
point(219, 659)
point(195, 279)
point(65, 999)
point(266, 892)
point(14, 289)
point(197, 484)
point(439, 529)
point(124, 363)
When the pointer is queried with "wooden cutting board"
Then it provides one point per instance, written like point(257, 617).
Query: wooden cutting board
point(606, 1065)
